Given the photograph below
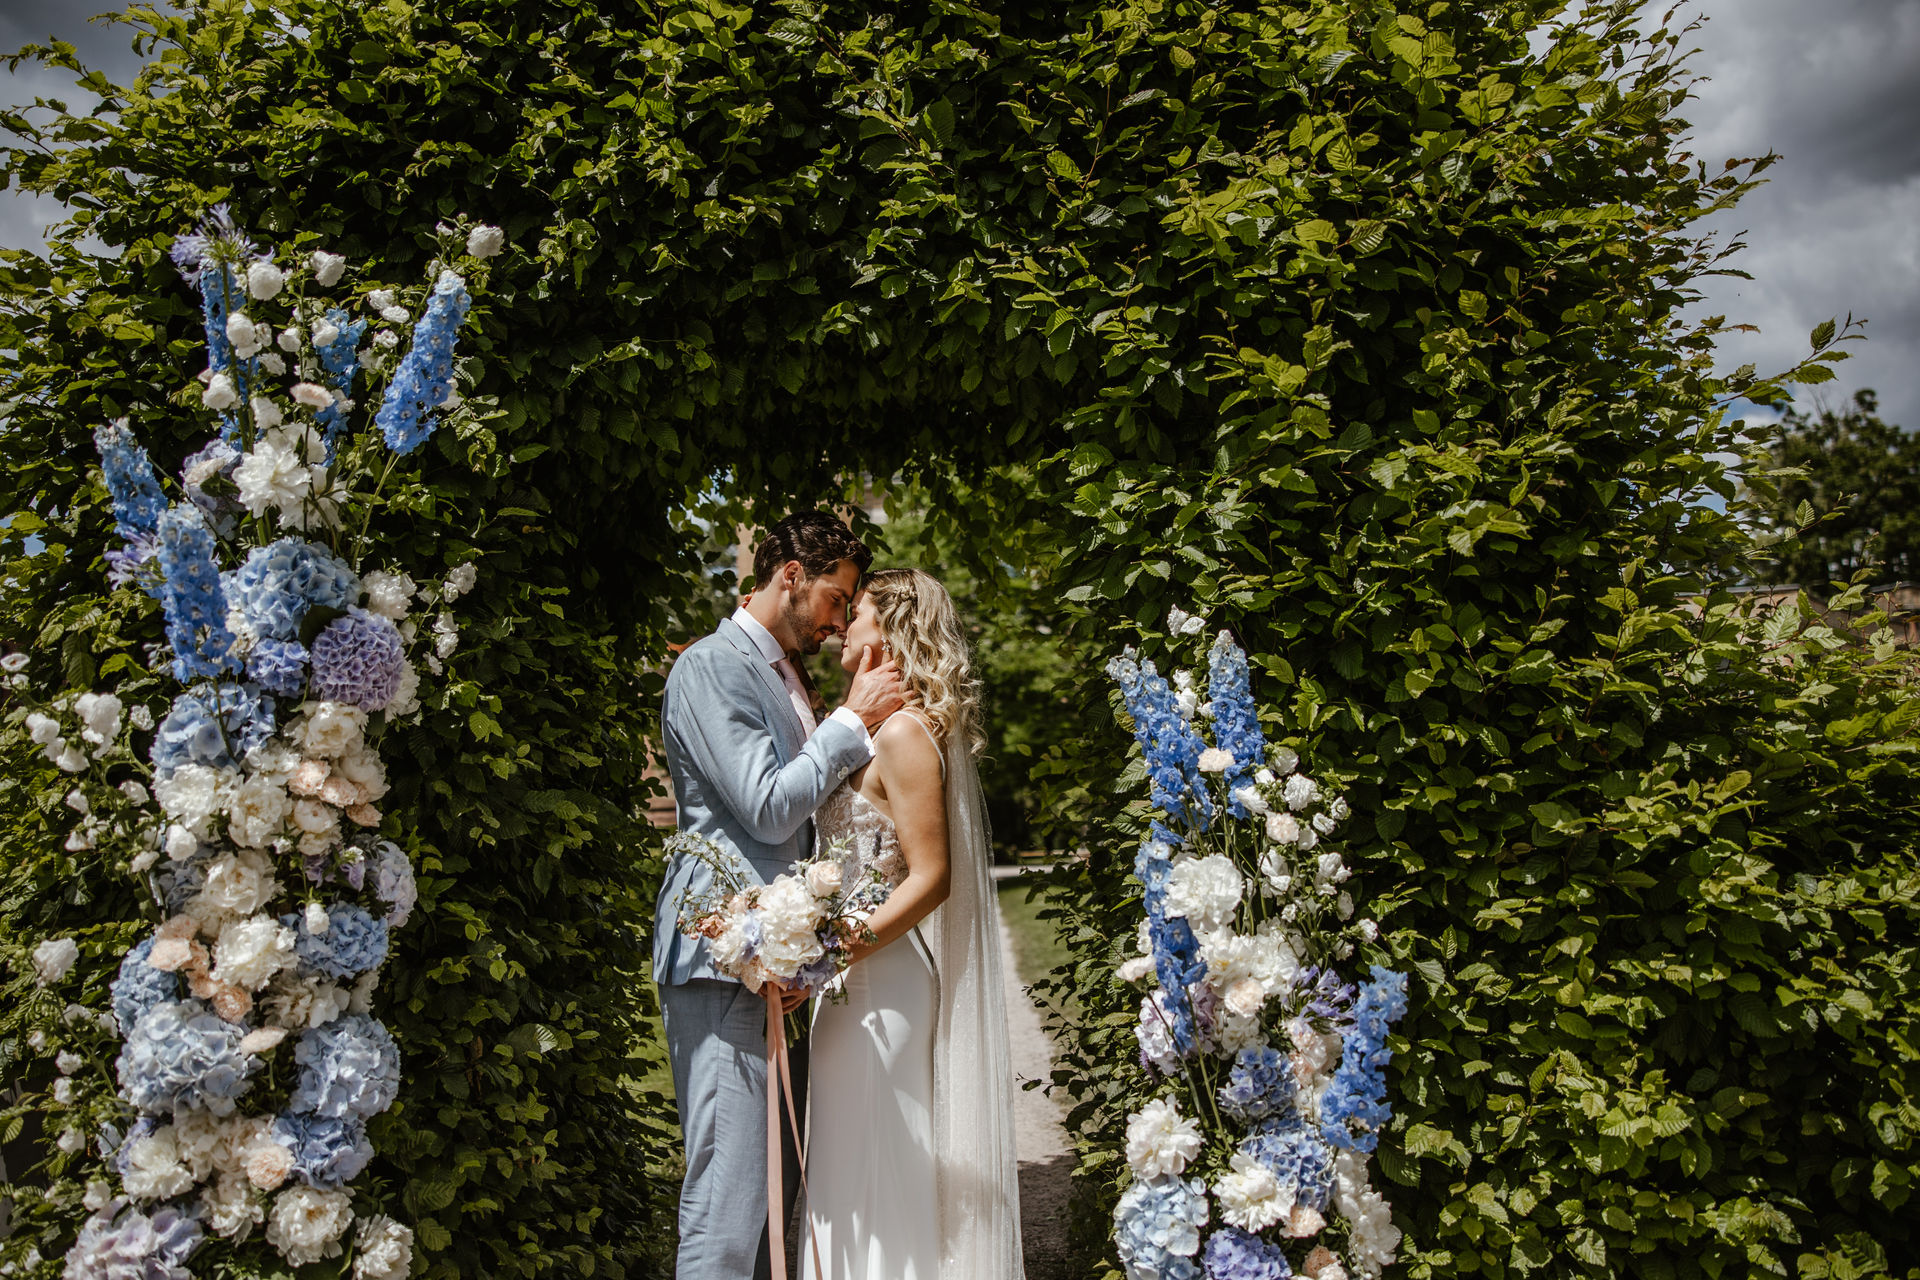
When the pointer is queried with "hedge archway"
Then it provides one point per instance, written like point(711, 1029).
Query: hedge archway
point(1356, 324)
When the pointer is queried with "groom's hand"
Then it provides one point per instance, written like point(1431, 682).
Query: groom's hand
point(877, 691)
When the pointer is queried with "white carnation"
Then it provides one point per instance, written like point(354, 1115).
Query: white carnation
point(460, 580)
point(99, 717)
point(326, 268)
point(311, 394)
point(220, 394)
point(298, 1003)
point(53, 959)
point(389, 594)
point(1215, 760)
point(266, 414)
point(264, 280)
point(1160, 1140)
point(1283, 829)
point(1250, 1197)
point(1300, 791)
point(380, 299)
point(383, 1250)
point(1285, 759)
point(485, 241)
point(250, 951)
point(1205, 890)
point(273, 364)
point(241, 333)
point(306, 1224)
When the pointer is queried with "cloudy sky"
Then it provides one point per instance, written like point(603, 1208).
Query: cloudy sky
point(1831, 85)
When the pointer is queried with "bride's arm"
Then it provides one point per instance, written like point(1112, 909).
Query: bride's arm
point(909, 766)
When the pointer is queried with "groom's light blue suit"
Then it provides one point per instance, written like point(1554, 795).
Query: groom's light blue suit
point(746, 776)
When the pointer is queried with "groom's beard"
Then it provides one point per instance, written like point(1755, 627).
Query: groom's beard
point(800, 623)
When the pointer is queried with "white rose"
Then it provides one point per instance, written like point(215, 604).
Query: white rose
point(380, 299)
point(484, 241)
point(181, 843)
point(1245, 997)
point(250, 951)
point(1300, 791)
point(1160, 1141)
point(395, 314)
point(361, 767)
point(220, 395)
point(460, 580)
point(264, 280)
point(100, 715)
point(42, 728)
point(240, 332)
point(306, 1223)
point(324, 333)
point(824, 879)
point(327, 267)
point(192, 794)
point(266, 414)
point(53, 959)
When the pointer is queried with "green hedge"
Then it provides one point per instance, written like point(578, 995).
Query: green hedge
point(1354, 323)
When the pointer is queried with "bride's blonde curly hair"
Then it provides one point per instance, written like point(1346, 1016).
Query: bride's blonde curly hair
point(923, 632)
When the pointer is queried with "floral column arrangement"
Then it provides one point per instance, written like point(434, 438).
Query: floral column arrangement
point(249, 1057)
point(1250, 1163)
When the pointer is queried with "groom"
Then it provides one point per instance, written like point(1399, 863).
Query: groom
point(749, 767)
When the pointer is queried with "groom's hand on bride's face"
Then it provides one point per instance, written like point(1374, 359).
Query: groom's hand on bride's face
point(877, 690)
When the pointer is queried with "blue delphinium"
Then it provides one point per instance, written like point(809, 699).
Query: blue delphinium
point(1167, 741)
point(1236, 721)
point(353, 943)
point(279, 667)
point(339, 364)
point(359, 659)
point(118, 1241)
point(327, 1153)
point(1260, 1085)
point(348, 1067)
point(191, 594)
point(140, 986)
point(214, 727)
point(1297, 1157)
point(1354, 1110)
point(138, 503)
point(1157, 1228)
point(425, 376)
point(1233, 1254)
point(279, 582)
point(182, 1054)
point(1176, 951)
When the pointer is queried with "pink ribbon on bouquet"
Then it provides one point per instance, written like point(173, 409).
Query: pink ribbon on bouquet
point(780, 1085)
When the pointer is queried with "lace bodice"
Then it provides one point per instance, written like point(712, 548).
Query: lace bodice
point(873, 844)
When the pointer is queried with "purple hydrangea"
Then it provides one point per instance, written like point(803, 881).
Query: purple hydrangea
point(140, 986)
point(1157, 1228)
point(1354, 1109)
point(359, 659)
point(1297, 1156)
point(424, 379)
point(327, 1153)
point(1233, 1254)
point(121, 1243)
point(348, 1067)
point(353, 943)
point(1260, 1085)
point(282, 580)
point(215, 727)
point(182, 1054)
point(279, 667)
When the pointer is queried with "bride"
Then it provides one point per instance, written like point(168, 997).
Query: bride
point(912, 1170)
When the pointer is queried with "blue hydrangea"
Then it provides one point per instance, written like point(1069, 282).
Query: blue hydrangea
point(327, 1153)
point(1233, 1254)
point(182, 1054)
point(394, 884)
point(282, 580)
point(1260, 1085)
point(180, 882)
point(1354, 1109)
point(120, 1150)
point(425, 376)
point(339, 364)
point(359, 659)
point(132, 483)
point(348, 1067)
point(1167, 741)
point(1297, 1156)
point(279, 667)
point(353, 943)
point(191, 594)
point(121, 1243)
point(1157, 1228)
point(140, 986)
point(215, 727)
point(1236, 721)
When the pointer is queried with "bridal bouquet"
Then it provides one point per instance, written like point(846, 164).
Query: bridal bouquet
point(1251, 1163)
point(795, 929)
point(249, 1060)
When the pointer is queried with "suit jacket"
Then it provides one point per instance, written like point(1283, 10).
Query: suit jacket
point(744, 775)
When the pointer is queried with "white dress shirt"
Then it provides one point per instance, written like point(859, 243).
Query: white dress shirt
point(777, 659)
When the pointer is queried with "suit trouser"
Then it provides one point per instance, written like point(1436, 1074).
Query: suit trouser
point(717, 1043)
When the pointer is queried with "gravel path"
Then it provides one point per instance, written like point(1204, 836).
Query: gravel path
point(1046, 1164)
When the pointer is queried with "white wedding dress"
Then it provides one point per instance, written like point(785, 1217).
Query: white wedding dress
point(911, 1169)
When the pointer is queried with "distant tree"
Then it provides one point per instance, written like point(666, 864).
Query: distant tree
point(1857, 505)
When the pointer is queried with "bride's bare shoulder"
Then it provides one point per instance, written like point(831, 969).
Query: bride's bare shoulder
point(905, 745)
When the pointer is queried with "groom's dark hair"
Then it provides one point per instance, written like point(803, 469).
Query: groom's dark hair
point(818, 540)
